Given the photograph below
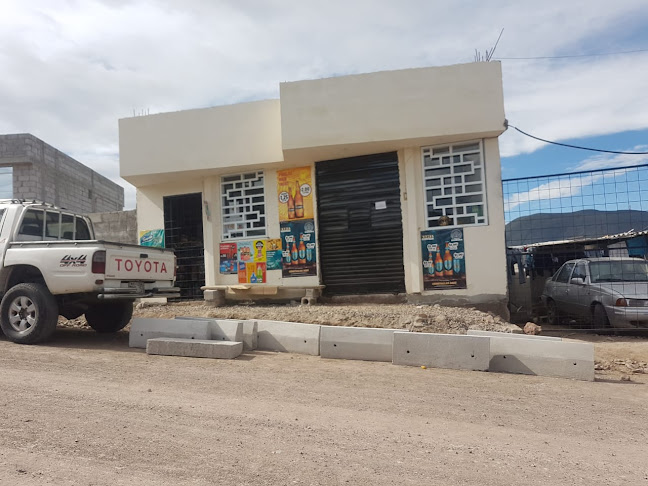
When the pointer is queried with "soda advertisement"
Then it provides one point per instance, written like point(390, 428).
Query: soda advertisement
point(295, 188)
point(152, 238)
point(245, 250)
point(228, 258)
point(298, 248)
point(273, 254)
point(444, 259)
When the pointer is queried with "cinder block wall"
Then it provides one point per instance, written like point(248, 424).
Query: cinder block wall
point(42, 172)
point(120, 226)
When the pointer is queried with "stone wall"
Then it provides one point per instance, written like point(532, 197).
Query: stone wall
point(120, 226)
point(44, 173)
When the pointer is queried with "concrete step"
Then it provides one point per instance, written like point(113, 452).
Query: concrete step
point(194, 348)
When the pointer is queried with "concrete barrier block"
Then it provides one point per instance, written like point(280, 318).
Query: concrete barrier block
point(290, 337)
point(221, 329)
point(455, 351)
point(541, 357)
point(250, 334)
point(475, 332)
point(143, 329)
point(362, 343)
point(194, 348)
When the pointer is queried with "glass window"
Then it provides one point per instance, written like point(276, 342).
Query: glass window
point(580, 271)
point(243, 205)
point(82, 231)
point(67, 227)
point(565, 272)
point(460, 183)
point(32, 224)
point(52, 224)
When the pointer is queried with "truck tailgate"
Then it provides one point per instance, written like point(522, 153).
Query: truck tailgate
point(130, 264)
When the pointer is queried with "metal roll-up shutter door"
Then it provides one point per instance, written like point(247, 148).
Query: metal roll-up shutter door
point(360, 225)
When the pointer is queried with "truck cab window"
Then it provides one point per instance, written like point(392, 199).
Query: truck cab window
point(31, 228)
point(82, 232)
point(67, 227)
point(52, 224)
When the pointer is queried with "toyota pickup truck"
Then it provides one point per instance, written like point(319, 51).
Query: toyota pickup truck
point(51, 265)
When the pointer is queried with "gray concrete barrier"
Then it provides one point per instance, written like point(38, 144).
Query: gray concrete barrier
point(475, 332)
point(142, 329)
point(541, 357)
point(362, 343)
point(291, 337)
point(194, 348)
point(455, 351)
point(221, 329)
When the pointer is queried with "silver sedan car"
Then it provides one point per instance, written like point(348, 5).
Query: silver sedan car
point(601, 291)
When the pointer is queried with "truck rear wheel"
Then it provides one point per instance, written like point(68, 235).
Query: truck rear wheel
point(28, 313)
point(109, 317)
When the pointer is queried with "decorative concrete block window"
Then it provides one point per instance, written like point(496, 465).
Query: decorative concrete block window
point(243, 205)
point(455, 185)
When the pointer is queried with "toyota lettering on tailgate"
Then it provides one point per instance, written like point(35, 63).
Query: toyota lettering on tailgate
point(147, 266)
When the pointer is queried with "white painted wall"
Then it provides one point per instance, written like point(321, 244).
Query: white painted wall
point(194, 143)
point(378, 112)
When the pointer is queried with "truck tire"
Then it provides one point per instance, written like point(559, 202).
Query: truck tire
point(28, 313)
point(109, 317)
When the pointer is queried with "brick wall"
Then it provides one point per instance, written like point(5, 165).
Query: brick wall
point(42, 172)
point(118, 226)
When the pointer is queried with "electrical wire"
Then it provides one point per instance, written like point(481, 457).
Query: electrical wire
point(574, 146)
point(570, 57)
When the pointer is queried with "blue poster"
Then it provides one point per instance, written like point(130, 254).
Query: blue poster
point(444, 259)
point(298, 248)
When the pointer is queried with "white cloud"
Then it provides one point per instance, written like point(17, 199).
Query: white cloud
point(72, 68)
point(559, 188)
point(606, 161)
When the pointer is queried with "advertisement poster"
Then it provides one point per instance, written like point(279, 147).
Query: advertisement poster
point(242, 273)
point(255, 273)
point(152, 238)
point(228, 258)
point(298, 248)
point(245, 249)
point(295, 189)
point(259, 251)
point(444, 262)
point(273, 254)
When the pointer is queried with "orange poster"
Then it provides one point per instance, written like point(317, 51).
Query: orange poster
point(295, 188)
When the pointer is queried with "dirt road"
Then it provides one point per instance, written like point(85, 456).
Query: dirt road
point(87, 410)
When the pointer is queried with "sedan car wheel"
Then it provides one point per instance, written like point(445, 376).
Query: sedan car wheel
point(552, 313)
point(599, 317)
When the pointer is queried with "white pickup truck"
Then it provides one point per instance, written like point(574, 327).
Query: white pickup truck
point(51, 265)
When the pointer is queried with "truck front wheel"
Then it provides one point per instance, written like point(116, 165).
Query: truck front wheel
point(28, 313)
point(109, 317)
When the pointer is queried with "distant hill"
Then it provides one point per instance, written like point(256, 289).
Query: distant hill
point(588, 223)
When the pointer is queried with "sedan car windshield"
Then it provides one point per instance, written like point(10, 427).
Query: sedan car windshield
point(619, 271)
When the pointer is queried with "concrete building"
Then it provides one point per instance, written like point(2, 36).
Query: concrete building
point(386, 182)
point(44, 173)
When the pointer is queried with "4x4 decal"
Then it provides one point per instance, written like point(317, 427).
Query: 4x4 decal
point(73, 261)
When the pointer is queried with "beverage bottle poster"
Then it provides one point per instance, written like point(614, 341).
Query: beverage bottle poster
point(255, 273)
point(273, 254)
point(245, 251)
point(228, 258)
point(444, 259)
point(295, 191)
point(242, 273)
point(298, 248)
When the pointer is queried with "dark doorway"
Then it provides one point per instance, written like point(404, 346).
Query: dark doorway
point(360, 225)
point(183, 231)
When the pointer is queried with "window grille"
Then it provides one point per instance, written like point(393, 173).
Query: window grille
point(243, 205)
point(454, 185)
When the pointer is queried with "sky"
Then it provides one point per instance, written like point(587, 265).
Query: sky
point(72, 68)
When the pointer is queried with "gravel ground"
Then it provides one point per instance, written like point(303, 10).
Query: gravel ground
point(85, 409)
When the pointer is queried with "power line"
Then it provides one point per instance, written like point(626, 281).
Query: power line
point(570, 57)
point(507, 124)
